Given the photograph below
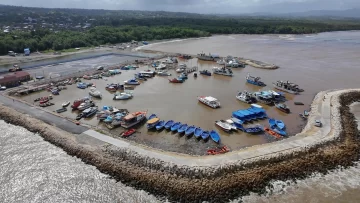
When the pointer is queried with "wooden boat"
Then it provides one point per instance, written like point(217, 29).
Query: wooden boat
point(182, 128)
point(175, 126)
point(215, 136)
point(205, 72)
point(282, 107)
point(152, 116)
point(152, 123)
point(272, 133)
point(133, 118)
point(160, 125)
point(61, 110)
point(224, 126)
point(65, 104)
point(215, 151)
point(205, 135)
point(209, 101)
point(198, 131)
point(176, 80)
point(190, 130)
point(169, 124)
point(280, 124)
point(128, 132)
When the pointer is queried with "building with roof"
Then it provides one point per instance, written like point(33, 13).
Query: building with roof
point(14, 79)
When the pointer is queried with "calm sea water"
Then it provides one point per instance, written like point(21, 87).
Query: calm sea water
point(33, 170)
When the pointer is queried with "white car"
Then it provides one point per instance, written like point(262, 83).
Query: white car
point(318, 123)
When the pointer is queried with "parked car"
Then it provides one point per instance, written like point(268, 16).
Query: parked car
point(318, 123)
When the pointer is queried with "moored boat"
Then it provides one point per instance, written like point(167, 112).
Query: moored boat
point(306, 113)
point(91, 112)
point(163, 73)
point(152, 116)
point(254, 80)
point(215, 136)
point(223, 125)
point(198, 132)
point(205, 57)
point(190, 130)
point(95, 93)
point(168, 124)
point(61, 110)
point(279, 131)
point(205, 135)
point(132, 82)
point(282, 107)
point(287, 86)
point(182, 128)
point(175, 126)
point(128, 132)
point(280, 124)
point(205, 72)
point(272, 133)
point(209, 101)
point(85, 105)
point(133, 118)
point(223, 71)
point(176, 80)
point(160, 125)
point(246, 97)
point(65, 104)
point(150, 124)
point(122, 96)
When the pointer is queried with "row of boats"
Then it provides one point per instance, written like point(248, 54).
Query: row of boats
point(155, 123)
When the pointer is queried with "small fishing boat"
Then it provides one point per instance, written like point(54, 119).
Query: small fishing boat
point(195, 75)
point(282, 107)
point(175, 126)
point(306, 113)
point(215, 136)
point(302, 116)
point(44, 100)
point(85, 105)
point(160, 125)
point(209, 101)
point(287, 86)
point(205, 135)
point(65, 104)
point(198, 132)
point(205, 72)
point(254, 129)
point(128, 132)
point(279, 131)
point(176, 80)
point(152, 116)
point(298, 103)
point(223, 125)
point(183, 76)
point(152, 123)
point(61, 110)
point(182, 128)
point(254, 80)
point(246, 97)
point(190, 130)
point(223, 71)
point(133, 118)
point(169, 124)
point(163, 73)
point(280, 124)
point(91, 112)
point(221, 150)
point(109, 119)
point(231, 123)
point(272, 133)
point(122, 96)
point(95, 93)
point(132, 82)
point(272, 122)
point(82, 114)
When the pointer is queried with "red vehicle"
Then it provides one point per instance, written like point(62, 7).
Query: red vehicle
point(175, 80)
point(128, 132)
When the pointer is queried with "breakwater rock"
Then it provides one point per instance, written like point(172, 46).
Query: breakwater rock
point(217, 183)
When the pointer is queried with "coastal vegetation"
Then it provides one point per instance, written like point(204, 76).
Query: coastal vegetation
point(61, 29)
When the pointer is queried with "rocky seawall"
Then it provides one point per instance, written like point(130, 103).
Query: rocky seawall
point(214, 183)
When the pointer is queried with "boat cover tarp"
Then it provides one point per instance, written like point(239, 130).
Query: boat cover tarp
point(154, 120)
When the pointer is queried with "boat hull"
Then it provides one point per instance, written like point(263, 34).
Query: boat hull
point(285, 90)
point(261, 84)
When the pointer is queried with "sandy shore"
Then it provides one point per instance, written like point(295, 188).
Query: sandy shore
point(228, 179)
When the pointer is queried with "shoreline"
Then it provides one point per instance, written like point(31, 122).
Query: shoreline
point(227, 180)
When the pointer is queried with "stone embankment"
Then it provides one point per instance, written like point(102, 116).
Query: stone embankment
point(337, 143)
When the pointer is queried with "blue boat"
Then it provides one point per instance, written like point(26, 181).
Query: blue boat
point(81, 85)
point(278, 131)
point(160, 125)
point(169, 124)
point(108, 119)
point(215, 136)
point(132, 82)
point(175, 126)
point(152, 123)
point(272, 123)
point(190, 130)
point(205, 135)
point(182, 128)
point(205, 72)
point(254, 80)
point(198, 132)
point(152, 116)
point(280, 124)
point(183, 76)
point(254, 129)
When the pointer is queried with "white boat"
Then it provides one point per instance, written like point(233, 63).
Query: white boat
point(65, 104)
point(231, 123)
point(246, 97)
point(180, 70)
point(256, 106)
point(161, 67)
point(224, 126)
point(133, 118)
point(95, 93)
point(85, 105)
point(210, 101)
point(122, 96)
point(132, 82)
point(287, 86)
point(221, 62)
point(163, 73)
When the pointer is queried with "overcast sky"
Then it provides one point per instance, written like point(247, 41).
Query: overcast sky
point(196, 6)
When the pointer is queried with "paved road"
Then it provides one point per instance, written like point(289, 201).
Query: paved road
point(43, 115)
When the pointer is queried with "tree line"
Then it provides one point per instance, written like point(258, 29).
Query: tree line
point(43, 39)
